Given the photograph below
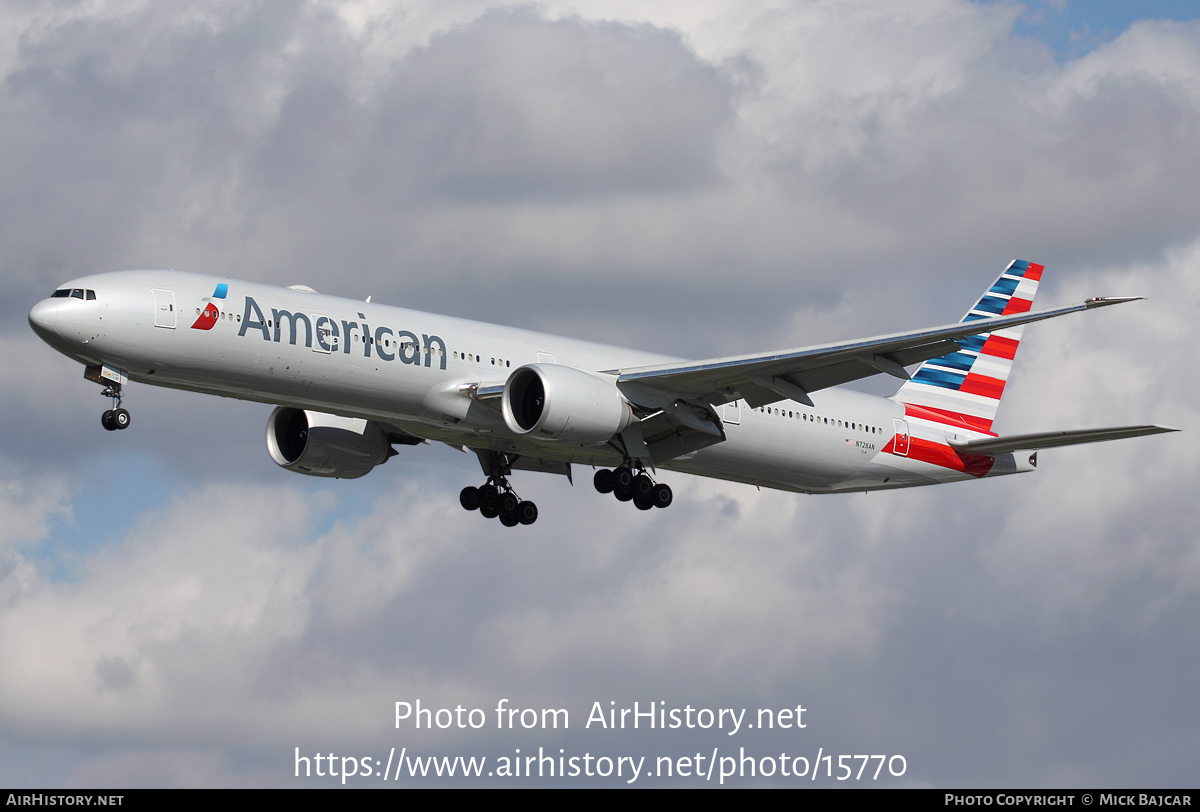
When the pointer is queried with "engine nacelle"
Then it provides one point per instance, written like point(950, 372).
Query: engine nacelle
point(554, 402)
point(321, 444)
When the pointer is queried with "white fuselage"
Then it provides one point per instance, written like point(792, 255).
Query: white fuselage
point(405, 368)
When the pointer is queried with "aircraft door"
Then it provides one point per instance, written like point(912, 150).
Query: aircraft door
point(733, 413)
point(545, 358)
point(901, 438)
point(164, 308)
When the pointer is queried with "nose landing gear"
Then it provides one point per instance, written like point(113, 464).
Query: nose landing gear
point(116, 417)
point(111, 379)
point(631, 483)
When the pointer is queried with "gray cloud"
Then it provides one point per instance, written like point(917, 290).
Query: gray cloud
point(513, 107)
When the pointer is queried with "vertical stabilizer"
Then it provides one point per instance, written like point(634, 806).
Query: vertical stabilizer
point(962, 390)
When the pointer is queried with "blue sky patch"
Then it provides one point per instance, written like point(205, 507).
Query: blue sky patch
point(1072, 29)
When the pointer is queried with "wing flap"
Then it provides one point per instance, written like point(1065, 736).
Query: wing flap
point(1053, 439)
point(668, 437)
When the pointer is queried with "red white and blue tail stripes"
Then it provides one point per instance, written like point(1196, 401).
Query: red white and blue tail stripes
point(962, 390)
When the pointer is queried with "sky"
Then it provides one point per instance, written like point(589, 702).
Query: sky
point(698, 179)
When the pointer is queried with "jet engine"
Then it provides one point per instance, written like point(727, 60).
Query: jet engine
point(554, 402)
point(321, 444)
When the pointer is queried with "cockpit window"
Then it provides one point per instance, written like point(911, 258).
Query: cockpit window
point(74, 293)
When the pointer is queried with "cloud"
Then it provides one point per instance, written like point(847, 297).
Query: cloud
point(29, 505)
point(486, 161)
point(513, 107)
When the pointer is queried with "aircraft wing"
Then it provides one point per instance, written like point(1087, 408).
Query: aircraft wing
point(792, 374)
point(1051, 439)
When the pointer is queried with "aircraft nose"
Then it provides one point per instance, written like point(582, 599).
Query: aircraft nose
point(43, 318)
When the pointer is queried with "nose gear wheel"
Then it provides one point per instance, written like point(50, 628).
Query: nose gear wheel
point(116, 418)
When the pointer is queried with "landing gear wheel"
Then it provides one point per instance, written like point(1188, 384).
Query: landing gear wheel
point(622, 480)
point(107, 421)
point(488, 511)
point(527, 513)
point(643, 486)
point(623, 496)
point(489, 496)
point(509, 521)
point(643, 504)
point(603, 480)
point(507, 504)
point(661, 496)
point(469, 498)
point(120, 418)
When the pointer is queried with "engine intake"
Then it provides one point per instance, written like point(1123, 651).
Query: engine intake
point(319, 444)
point(555, 402)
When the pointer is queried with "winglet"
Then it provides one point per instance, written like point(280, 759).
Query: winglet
point(1105, 301)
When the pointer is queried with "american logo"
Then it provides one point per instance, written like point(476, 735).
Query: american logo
point(210, 313)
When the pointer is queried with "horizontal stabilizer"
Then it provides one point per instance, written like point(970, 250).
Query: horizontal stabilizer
point(1050, 439)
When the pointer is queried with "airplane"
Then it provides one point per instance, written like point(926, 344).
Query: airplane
point(350, 380)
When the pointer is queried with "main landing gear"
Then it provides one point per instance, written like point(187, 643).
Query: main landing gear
point(630, 484)
point(116, 417)
point(497, 499)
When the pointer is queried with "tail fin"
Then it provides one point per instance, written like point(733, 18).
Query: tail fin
point(962, 390)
